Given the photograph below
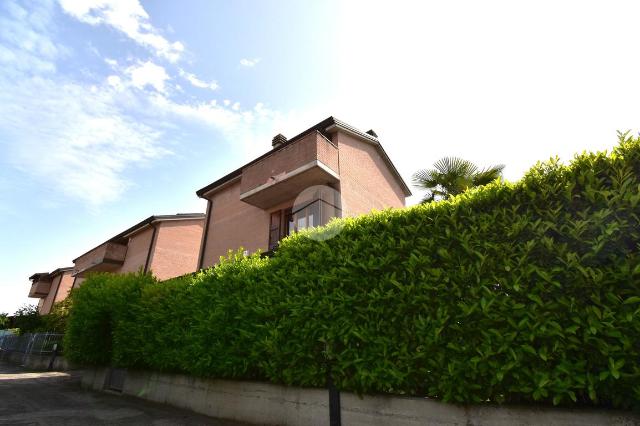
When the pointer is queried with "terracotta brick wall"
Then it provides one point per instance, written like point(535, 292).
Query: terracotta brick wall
point(234, 224)
point(65, 286)
point(60, 287)
point(104, 251)
point(77, 281)
point(309, 148)
point(137, 251)
point(87, 259)
point(176, 248)
point(48, 301)
point(366, 183)
point(328, 153)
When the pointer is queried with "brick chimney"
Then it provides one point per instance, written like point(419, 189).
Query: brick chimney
point(278, 140)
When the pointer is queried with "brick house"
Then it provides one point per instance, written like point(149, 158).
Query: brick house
point(260, 203)
point(50, 287)
point(167, 245)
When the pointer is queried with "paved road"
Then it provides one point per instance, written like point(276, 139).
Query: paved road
point(55, 398)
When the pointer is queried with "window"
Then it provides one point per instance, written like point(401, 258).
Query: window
point(317, 210)
point(278, 227)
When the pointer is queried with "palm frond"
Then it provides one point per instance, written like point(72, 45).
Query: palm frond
point(429, 197)
point(455, 166)
point(488, 175)
point(426, 178)
point(452, 176)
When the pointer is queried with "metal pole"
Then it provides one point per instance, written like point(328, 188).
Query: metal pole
point(334, 401)
point(53, 356)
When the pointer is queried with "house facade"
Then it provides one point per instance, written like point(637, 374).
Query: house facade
point(167, 245)
point(50, 287)
point(330, 170)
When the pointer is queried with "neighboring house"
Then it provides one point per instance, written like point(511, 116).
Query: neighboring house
point(50, 287)
point(253, 206)
point(166, 245)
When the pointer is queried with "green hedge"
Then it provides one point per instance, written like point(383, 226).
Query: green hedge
point(511, 292)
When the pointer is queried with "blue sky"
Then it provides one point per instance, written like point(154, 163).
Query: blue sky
point(111, 111)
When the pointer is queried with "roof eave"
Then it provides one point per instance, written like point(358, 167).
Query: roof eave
point(37, 275)
point(209, 189)
point(142, 224)
point(327, 125)
point(374, 141)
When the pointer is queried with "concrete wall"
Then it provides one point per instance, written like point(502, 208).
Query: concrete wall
point(268, 404)
point(37, 362)
point(176, 249)
point(366, 183)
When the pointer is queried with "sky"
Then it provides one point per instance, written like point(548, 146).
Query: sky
point(111, 111)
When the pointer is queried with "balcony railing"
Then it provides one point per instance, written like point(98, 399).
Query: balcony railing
point(40, 288)
point(312, 160)
point(107, 257)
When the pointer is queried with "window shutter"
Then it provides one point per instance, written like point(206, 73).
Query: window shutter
point(274, 229)
point(286, 223)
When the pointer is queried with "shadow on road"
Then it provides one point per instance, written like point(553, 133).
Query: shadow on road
point(56, 398)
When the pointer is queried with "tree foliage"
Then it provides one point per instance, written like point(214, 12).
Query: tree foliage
point(452, 176)
point(4, 320)
point(27, 319)
point(509, 292)
point(56, 320)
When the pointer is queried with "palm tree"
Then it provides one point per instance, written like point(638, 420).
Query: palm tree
point(452, 176)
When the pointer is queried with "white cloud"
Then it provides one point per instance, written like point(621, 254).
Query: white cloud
point(90, 135)
point(83, 142)
point(196, 82)
point(148, 74)
point(24, 48)
point(249, 62)
point(114, 81)
point(127, 16)
point(249, 130)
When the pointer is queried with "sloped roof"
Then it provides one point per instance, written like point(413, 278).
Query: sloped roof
point(121, 237)
point(324, 127)
point(49, 275)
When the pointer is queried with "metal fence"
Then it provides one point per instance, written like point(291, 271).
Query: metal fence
point(30, 344)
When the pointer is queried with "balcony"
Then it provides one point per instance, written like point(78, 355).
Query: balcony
point(107, 257)
point(311, 160)
point(40, 285)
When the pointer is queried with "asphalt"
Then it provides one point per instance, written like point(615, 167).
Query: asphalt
point(56, 398)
